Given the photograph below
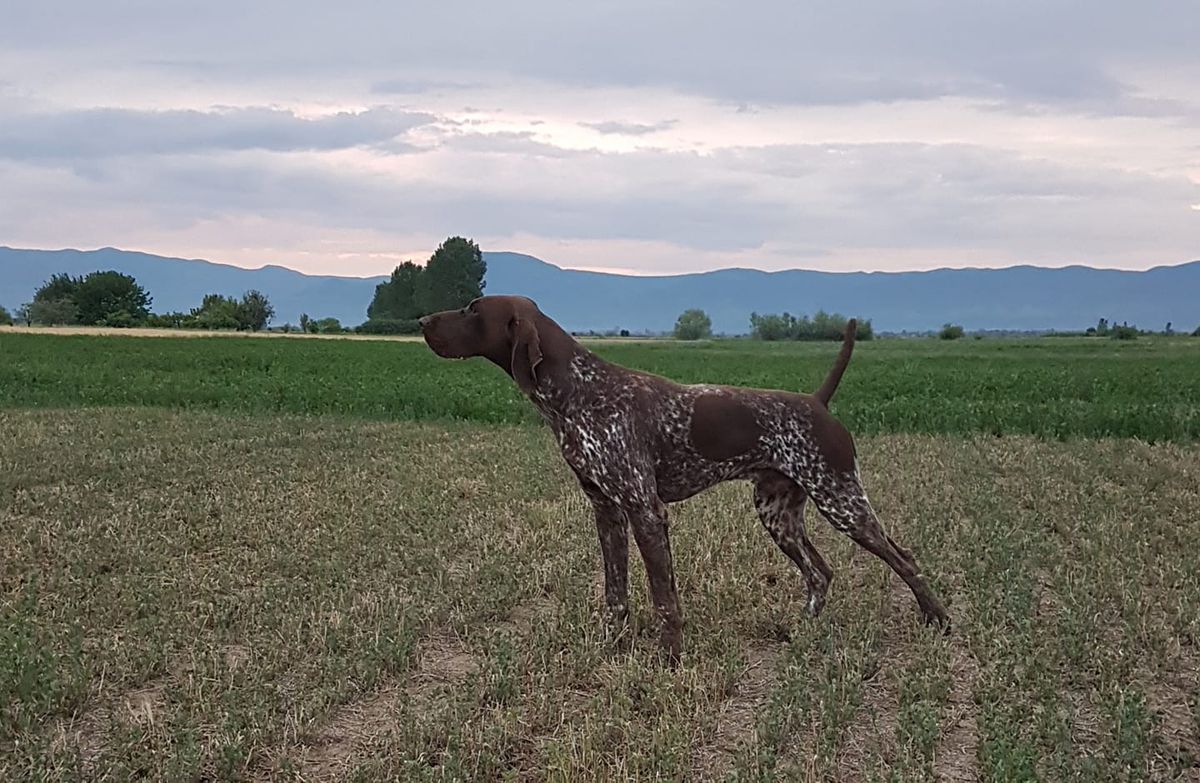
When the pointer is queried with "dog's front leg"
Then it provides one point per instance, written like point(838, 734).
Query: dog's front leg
point(614, 545)
point(649, 523)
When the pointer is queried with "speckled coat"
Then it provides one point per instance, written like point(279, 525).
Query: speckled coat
point(637, 441)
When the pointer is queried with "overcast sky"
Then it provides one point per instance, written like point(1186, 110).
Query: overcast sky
point(644, 137)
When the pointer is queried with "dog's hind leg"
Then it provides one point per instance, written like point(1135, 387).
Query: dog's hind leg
point(842, 501)
point(780, 505)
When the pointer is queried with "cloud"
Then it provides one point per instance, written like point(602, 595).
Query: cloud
point(879, 198)
point(628, 128)
point(877, 134)
point(103, 132)
point(761, 54)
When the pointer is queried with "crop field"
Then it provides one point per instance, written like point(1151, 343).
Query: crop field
point(348, 560)
point(1056, 388)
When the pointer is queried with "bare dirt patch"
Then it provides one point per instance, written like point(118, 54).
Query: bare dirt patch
point(353, 729)
point(1174, 697)
point(956, 755)
point(86, 733)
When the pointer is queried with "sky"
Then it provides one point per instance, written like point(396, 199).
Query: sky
point(644, 138)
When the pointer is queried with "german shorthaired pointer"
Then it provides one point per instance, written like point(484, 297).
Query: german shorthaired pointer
point(637, 442)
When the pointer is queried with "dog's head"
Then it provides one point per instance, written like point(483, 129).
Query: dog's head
point(503, 329)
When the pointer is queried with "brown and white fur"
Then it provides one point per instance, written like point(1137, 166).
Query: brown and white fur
point(637, 442)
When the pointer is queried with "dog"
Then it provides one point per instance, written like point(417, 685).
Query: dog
point(637, 442)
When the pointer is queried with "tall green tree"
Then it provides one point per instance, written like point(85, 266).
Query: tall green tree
point(6, 318)
point(452, 278)
point(111, 298)
point(254, 312)
point(396, 298)
point(693, 325)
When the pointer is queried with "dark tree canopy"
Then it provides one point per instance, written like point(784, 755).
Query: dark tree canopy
point(111, 299)
point(254, 312)
point(61, 286)
point(453, 276)
point(6, 318)
point(396, 299)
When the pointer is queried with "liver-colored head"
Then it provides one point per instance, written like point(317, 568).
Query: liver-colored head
point(503, 329)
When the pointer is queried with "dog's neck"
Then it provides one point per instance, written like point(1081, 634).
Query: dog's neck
point(566, 368)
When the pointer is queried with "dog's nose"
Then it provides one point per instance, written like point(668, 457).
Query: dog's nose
point(424, 321)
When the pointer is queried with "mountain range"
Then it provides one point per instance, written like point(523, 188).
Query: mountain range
point(1016, 298)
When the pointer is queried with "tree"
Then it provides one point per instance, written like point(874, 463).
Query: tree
point(822, 326)
point(23, 314)
point(54, 302)
point(328, 326)
point(60, 286)
point(396, 298)
point(951, 332)
point(1124, 332)
point(452, 278)
point(51, 312)
point(693, 325)
point(254, 312)
point(1197, 332)
point(216, 312)
point(6, 318)
point(1102, 328)
point(771, 327)
point(305, 323)
point(112, 299)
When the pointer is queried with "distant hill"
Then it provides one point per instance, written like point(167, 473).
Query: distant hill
point(1022, 297)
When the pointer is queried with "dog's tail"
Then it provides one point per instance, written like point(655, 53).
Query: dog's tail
point(825, 393)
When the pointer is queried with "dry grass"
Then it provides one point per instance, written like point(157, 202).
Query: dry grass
point(193, 596)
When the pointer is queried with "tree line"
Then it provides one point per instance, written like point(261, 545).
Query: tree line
point(453, 276)
point(109, 298)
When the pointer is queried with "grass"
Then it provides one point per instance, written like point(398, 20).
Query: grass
point(197, 595)
point(1057, 388)
point(345, 559)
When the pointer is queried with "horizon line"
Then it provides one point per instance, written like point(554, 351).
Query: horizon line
point(625, 274)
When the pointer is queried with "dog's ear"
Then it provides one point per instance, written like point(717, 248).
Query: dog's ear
point(526, 354)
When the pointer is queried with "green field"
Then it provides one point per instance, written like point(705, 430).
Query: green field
point(1057, 388)
point(339, 560)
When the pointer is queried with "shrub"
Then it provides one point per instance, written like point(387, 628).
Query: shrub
point(328, 326)
point(173, 320)
point(822, 326)
point(951, 332)
point(389, 326)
